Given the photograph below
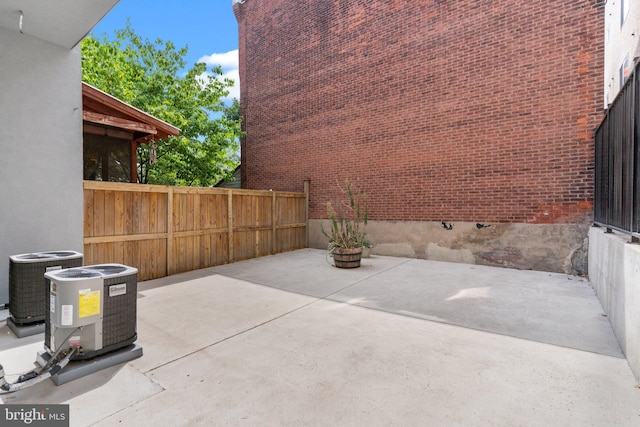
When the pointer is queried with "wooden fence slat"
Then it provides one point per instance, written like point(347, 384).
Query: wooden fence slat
point(98, 212)
point(145, 201)
point(109, 213)
point(127, 212)
point(230, 225)
point(88, 213)
point(118, 212)
point(170, 239)
point(153, 213)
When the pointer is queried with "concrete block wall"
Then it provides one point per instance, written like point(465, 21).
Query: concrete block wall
point(520, 246)
point(614, 272)
point(459, 111)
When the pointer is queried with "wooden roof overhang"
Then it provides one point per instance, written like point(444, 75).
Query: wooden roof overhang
point(103, 114)
point(102, 109)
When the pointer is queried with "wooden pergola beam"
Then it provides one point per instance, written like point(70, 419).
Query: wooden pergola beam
point(96, 100)
point(117, 122)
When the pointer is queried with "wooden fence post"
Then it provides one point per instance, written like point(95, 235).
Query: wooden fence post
point(274, 246)
point(307, 184)
point(230, 223)
point(170, 260)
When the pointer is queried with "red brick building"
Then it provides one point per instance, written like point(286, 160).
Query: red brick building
point(479, 114)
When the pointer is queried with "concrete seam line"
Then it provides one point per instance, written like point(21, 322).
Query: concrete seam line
point(235, 335)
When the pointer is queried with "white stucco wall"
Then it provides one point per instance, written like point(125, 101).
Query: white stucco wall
point(41, 149)
point(614, 272)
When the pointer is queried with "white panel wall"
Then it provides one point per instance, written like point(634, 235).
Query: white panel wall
point(40, 149)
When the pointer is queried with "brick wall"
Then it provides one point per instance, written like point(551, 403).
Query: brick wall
point(472, 110)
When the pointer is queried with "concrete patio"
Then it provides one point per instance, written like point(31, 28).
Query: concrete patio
point(291, 340)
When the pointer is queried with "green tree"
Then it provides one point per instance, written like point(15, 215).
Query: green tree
point(150, 76)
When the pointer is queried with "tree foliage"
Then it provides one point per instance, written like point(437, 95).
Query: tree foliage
point(151, 76)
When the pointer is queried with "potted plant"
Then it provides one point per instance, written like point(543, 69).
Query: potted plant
point(347, 235)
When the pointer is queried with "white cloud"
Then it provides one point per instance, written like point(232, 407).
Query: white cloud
point(226, 60)
point(230, 69)
point(234, 75)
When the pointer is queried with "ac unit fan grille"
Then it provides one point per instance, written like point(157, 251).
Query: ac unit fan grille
point(28, 301)
point(119, 324)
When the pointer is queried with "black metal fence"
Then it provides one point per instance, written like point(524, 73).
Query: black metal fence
point(617, 162)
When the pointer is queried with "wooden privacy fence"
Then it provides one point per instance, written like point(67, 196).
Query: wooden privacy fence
point(166, 230)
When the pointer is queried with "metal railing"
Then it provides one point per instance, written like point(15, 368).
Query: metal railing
point(617, 162)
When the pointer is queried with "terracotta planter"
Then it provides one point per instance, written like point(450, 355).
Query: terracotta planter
point(347, 257)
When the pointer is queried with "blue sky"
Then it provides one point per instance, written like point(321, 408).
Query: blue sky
point(207, 27)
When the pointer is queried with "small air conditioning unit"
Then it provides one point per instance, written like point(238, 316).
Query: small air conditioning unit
point(28, 303)
point(90, 324)
point(92, 308)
